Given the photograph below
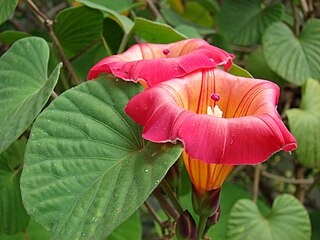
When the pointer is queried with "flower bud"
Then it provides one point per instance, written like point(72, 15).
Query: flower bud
point(214, 218)
point(186, 227)
point(205, 203)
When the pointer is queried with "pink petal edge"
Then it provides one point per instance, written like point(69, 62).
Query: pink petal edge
point(132, 66)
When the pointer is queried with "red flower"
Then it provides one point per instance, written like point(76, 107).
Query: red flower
point(155, 63)
point(222, 120)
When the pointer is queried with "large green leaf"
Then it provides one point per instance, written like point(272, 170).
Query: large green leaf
point(6, 9)
point(78, 27)
point(156, 32)
point(24, 86)
point(123, 21)
point(13, 216)
point(244, 21)
point(305, 125)
point(294, 58)
point(130, 229)
point(87, 168)
point(288, 220)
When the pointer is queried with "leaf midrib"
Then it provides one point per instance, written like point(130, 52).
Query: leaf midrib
point(100, 178)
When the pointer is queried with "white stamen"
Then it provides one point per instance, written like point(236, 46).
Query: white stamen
point(216, 111)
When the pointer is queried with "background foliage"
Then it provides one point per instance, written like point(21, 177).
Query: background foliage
point(78, 141)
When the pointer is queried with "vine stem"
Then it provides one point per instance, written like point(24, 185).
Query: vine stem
point(154, 9)
point(287, 180)
point(166, 188)
point(256, 181)
point(295, 18)
point(48, 24)
point(154, 214)
point(165, 205)
point(54, 94)
point(301, 188)
point(201, 227)
point(25, 234)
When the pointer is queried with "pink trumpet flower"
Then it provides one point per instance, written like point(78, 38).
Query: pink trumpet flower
point(155, 63)
point(222, 120)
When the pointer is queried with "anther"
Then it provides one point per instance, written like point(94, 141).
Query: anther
point(215, 97)
point(166, 51)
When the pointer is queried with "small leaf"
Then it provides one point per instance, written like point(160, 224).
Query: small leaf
point(305, 125)
point(288, 220)
point(256, 64)
point(239, 71)
point(87, 169)
point(10, 36)
point(34, 231)
point(24, 86)
point(244, 21)
point(13, 216)
point(189, 31)
point(78, 27)
point(123, 21)
point(154, 32)
point(294, 58)
point(6, 9)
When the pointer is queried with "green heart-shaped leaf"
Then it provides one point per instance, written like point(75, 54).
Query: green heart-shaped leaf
point(24, 86)
point(294, 58)
point(305, 125)
point(13, 216)
point(156, 32)
point(78, 27)
point(244, 21)
point(87, 169)
point(288, 220)
point(6, 9)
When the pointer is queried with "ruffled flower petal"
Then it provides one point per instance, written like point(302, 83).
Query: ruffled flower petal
point(249, 132)
point(155, 63)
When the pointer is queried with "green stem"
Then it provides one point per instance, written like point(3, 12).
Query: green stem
point(295, 18)
point(201, 227)
point(168, 191)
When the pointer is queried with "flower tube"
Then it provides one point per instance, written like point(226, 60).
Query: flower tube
point(221, 119)
point(155, 63)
